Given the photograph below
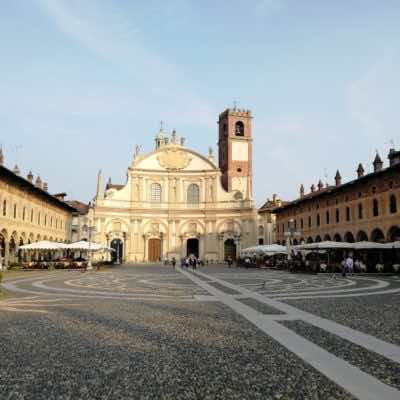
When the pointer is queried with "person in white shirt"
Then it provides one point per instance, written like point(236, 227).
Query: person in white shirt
point(349, 265)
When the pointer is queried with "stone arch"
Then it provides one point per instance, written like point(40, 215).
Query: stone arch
point(295, 242)
point(362, 236)
point(318, 239)
point(349, 237)
point(327, 238)
point(184, 226)
point(239, 128)
point(337, 237)
point(377, 236)
point(38, 237)
point(3, 239)
point(112, 225)
point(225, 224)
point(393, 234)
point(4, 233)
point(310, 240)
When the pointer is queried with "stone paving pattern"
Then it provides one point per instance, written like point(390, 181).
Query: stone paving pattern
point(374, 315)
point(374, 364)
point(57, 344)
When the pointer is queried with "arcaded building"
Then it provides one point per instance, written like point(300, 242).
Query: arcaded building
point(177, 202)
point(366, 208)
point(28, 213)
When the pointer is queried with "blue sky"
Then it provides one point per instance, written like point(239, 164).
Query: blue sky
point(82, 82)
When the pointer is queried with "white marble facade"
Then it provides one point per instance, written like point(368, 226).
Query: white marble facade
point(173, 205)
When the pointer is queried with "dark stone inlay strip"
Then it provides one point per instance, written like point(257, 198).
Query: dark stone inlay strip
point(367, 361)
point(261, 307)
point(222, 288)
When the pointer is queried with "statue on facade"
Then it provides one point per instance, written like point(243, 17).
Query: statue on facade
point(137, 150)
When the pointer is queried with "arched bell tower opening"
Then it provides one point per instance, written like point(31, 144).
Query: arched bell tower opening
point(235, 151)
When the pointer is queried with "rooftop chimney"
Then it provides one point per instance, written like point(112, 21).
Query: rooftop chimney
point(360, 170)
point(30, 177)
point(378, 163)
point(38, 182)
point(338, 178)
point(301, 190)
point(394, 157)
point(16, 170)
point(60, 196)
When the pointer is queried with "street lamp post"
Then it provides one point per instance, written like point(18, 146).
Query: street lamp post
point(291, 233)
point(91, 230)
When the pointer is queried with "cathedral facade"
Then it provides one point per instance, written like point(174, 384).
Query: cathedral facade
point(177, 202)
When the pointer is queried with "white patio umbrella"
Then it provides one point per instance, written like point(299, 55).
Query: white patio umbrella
point(86, 246)
point(364, 245)
point(43, 245)
point(326, 245)
point(392, 245)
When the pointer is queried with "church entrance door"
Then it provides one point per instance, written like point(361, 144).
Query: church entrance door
point(154, 250)
point(229, 249)
point(192, 247)
point(118, 254)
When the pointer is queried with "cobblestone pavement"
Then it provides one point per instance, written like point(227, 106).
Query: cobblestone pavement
point(152, 332)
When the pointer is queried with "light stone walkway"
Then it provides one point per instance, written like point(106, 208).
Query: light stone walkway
point(349, 377)
point(244, 292)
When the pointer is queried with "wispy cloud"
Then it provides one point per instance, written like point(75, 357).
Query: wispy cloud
point(110, 35)
point(365, 100)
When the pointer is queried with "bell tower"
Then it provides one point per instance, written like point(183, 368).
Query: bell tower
point(235, 151)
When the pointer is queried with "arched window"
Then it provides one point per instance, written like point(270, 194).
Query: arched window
point(155, 193)
point(239, 128)
point(347, 213)
point(327, 218)
point(393, 204)
point(23, 213)
point(337, 215)
point(360, 211)
point(193, 194)
point(309, 222)
point(4, 208)
point(301, 223)
point(318, 220)
point(375, 208)
point(15, 211)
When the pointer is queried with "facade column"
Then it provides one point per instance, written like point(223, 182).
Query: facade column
point(6, 253)
point(201, 247)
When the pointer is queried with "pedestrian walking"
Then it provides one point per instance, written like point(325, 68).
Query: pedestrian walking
point(349, 265)
point(194, 264)
point(173, 262)
point(344, 268)
point(230, 261)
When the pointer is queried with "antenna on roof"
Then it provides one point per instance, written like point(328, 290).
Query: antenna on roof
point(326, 176)
point(17, 148)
